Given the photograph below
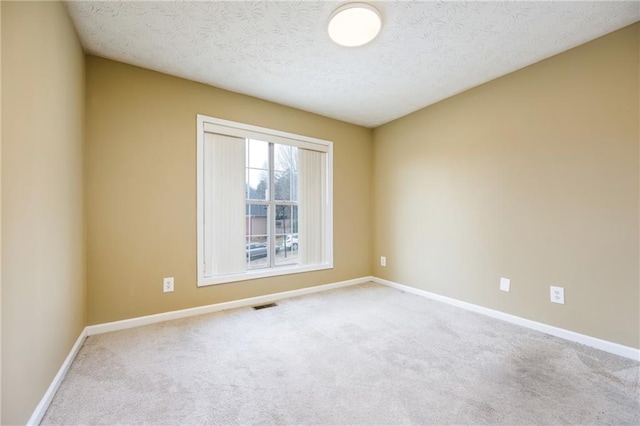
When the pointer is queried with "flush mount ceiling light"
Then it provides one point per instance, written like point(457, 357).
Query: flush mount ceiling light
point(354, 24)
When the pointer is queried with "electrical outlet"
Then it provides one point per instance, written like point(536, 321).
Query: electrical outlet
point(557, 295)
point(505, 284)
point(383, 261)
point(167, 284)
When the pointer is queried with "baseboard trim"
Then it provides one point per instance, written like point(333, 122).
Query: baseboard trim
point(42, 407)
point(241, 303)
point(91, 330)
point(604, 345)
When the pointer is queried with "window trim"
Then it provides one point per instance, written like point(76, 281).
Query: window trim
point(232, 128)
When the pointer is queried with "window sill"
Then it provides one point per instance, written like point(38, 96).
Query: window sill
point(255, 274)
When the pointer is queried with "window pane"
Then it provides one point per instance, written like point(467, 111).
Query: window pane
point(283, 220)
point(282, 182)
point(286, 224)
point(257, 256)
point(257, 184)
point(256, 219)
point(286, 172)
point(283, 157)
point(257, 154)
point(257, 251)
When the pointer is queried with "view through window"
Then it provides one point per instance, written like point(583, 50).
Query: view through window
point(264, 202)
point(272, 204)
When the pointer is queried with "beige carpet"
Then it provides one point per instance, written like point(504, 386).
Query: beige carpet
point(361, 355)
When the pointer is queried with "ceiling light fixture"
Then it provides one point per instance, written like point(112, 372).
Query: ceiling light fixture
point(354, 24)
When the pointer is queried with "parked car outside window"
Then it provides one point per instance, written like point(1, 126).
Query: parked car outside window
point(291, 242)
point(257, 250)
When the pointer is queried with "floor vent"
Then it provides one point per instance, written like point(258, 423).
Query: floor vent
point(268, 305)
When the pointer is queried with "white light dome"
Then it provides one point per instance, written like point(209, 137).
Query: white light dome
point(354, 24)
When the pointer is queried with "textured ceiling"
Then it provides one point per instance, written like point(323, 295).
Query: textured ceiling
point(280, 51)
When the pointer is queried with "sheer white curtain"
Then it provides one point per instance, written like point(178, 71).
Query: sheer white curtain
point(312, 188)
point(225, 205)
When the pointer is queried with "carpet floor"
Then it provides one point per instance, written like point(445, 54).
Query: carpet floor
point(367, 354)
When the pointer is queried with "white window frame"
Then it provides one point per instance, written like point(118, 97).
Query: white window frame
point(232, 128)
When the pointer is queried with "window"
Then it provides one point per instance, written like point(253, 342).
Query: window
point(264, 202)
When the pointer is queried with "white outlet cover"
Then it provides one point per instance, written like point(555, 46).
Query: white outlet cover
point(383, 261)
point(505, 284)
point(167, 285)
point(557, 294)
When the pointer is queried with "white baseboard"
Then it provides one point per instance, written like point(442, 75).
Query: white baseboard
point(251, 301)
point(604, 345)
point(42, 407)
point(91, 330)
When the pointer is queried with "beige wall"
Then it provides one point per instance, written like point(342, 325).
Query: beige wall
point(141, 190)
point(533, 176)
point(43, 297)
